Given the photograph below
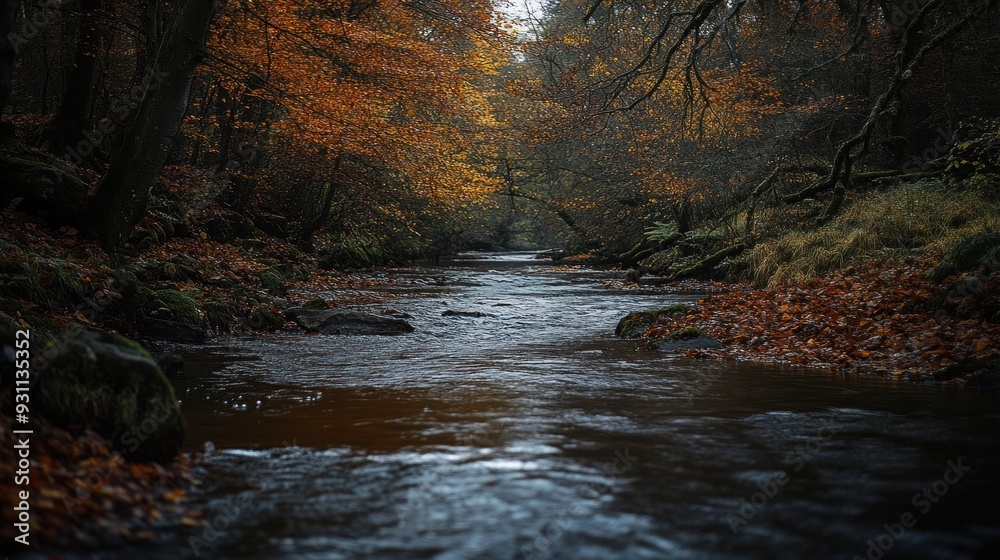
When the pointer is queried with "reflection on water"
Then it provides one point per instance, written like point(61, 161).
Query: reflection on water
point(528, 433)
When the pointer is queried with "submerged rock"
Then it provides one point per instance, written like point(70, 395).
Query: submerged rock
point(336, 321)
point(112, 385)
point(451, 313)
point(396, 314)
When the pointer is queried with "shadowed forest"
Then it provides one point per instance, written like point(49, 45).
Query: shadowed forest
point(819, 178)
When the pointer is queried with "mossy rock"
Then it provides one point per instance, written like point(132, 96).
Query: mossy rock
point(316, 303)
point(219, 314)
point(273, 281)
point(635, 323)
point(687, 333)
point(112, 385)
point(174, 305)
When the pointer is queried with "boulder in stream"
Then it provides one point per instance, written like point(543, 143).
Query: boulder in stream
point(337, 321)
point(635, 324)
point(112, 385)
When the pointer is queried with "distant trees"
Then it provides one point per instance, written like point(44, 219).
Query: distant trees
point(717, 104)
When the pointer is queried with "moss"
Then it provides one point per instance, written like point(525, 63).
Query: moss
point(272, 281)
point(219, 314)
point(687, 333)
point(908, 220)
point(316, 303)
point(180, 307)
point(263, 318)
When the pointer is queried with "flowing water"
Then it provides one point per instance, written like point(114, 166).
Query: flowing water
point(530, 433)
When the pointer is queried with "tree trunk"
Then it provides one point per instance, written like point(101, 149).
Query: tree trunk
point(72, 118)
point(8, 48)
point(123, 194)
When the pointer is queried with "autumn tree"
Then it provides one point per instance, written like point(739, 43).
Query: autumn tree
point(384, 93)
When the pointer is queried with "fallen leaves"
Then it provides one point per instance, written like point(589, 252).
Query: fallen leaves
point(83, 494)
point(878, 319)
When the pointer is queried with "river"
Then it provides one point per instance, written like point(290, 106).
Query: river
point(530, 433)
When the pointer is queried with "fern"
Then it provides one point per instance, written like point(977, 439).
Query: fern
point(661, 231)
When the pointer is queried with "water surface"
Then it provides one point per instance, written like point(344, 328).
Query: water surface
point(529, 433)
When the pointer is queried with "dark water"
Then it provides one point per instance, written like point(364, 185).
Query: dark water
point(531, 434)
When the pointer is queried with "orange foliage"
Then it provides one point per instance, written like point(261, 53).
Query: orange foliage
point(390, 83)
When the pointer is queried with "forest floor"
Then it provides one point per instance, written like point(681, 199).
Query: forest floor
point(84, 495)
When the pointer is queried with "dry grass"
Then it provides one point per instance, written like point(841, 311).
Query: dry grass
point(909, 220)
